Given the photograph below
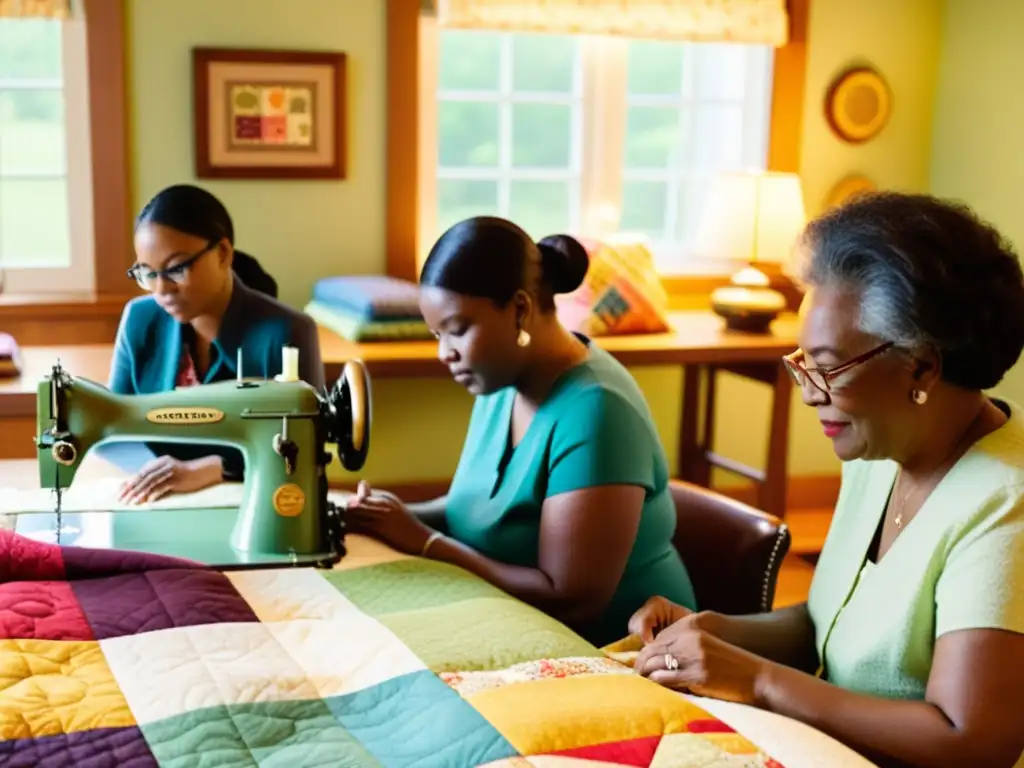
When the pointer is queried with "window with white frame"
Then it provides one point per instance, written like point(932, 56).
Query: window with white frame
point(46, 224)
point(588, 135)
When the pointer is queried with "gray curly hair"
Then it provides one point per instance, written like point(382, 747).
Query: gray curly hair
point(930, 274)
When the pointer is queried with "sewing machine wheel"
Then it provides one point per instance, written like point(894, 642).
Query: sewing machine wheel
point(351, 410)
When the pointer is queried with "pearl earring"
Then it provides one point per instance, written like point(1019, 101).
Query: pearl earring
point(919, 396)
point(523, 339)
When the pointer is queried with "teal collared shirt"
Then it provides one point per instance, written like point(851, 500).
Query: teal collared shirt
point(149, 343)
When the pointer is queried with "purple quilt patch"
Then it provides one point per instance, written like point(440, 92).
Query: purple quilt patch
point(100, 748)
point(149, 601)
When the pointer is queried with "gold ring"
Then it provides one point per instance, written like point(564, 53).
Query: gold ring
point(670, 662)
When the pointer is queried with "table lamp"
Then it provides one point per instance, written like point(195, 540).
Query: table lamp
point(754, 218)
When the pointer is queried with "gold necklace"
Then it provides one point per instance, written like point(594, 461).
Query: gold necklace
point(898, 517)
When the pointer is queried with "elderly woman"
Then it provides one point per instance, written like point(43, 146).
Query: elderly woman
point(910, 648)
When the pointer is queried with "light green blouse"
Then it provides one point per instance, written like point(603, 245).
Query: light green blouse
point(959, 564)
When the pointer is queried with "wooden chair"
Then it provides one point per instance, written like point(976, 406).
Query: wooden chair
point(732, 551)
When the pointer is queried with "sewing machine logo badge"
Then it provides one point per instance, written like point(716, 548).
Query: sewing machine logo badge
point(289, 500)
point(184, 416)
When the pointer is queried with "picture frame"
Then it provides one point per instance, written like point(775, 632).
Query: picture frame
point(269, 114)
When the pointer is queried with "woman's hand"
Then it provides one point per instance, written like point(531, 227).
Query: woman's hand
point(688, 658)
point(384, 516)
point(165, 474)
point(654, 616)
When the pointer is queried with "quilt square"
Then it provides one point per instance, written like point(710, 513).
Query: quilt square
point(452, 638)
point(371, 653)
point(561, 714)
point(417, 720)
point(41, 610)
point(24, 559)
point(364, 550)
point(99, 748)
point(172, 671)
point(276, 734)
point(153, 600)
point(551, 761)
point(49, 687)
point(696, 749)
point(467, 684)
point(291, 593)
point(411, 584)
point(635, 752)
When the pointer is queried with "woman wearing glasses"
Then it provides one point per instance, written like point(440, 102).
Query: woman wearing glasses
point(910, 648)
point(190, 328)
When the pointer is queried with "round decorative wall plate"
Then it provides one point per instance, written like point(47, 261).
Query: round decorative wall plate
point(848, 188)
point(858, 105)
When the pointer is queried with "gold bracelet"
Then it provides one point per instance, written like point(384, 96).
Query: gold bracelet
point(430, 540)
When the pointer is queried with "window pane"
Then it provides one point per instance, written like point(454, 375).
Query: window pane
point(643, 208)
point(30, 48)
point(719, 138)
point(467, 134)
point(721, 71)
point(655, 68)
point(32, 132)
point(469, 60)
point(34, 223)
point(652, 137)
point(543, 63)
point(693, 196)
point(541, 207)
point(542, 136)
point(459, 199)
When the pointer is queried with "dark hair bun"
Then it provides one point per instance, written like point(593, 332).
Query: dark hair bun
point(564, 262)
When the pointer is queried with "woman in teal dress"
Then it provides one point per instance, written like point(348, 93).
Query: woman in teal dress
point(910, 648)
point(561, 494)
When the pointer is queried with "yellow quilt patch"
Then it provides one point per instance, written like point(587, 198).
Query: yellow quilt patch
point(49, 687)
point(363, 551)
point(552, 715)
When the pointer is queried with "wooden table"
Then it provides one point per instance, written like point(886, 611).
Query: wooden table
point(698, 342)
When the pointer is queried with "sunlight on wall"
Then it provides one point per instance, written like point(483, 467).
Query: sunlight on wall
point(976, 156)
point(304, 230)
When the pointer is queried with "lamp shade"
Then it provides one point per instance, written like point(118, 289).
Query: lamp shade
point(753, 217)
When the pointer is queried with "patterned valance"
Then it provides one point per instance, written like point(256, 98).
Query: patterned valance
point(48, 9)
point(764, 22)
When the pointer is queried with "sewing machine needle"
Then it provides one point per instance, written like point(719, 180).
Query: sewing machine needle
point(56, 485)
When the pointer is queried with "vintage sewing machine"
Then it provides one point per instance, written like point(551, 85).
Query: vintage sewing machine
point(283, 428)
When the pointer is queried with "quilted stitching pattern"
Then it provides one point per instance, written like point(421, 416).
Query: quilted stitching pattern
point(127, 659)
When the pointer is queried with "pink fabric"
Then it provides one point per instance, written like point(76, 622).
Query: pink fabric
point(187, 376)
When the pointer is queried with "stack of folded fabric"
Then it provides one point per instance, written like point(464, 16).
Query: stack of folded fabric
point(368, 308)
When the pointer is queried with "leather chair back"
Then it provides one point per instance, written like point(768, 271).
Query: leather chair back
point(732, 551)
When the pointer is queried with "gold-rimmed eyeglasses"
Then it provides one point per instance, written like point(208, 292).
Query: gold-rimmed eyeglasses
point(823, 379)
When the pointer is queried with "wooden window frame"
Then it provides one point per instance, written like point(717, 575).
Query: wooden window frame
point(403, 139)
point(92, 317)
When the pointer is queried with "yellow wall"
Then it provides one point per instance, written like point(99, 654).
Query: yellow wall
point(978, 118)
point(302, 230)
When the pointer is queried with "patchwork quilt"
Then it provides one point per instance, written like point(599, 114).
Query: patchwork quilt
point(132, 660)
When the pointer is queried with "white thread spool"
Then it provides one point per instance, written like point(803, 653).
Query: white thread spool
point(289, 364)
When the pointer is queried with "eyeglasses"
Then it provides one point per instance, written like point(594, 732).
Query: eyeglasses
point(827, 380)
point(178, 274)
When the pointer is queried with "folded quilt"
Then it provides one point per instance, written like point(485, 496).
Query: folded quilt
point(126, 659)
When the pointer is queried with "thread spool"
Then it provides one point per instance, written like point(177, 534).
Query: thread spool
point(289, 364)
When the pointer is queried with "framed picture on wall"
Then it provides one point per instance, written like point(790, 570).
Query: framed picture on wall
point(268, 114)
